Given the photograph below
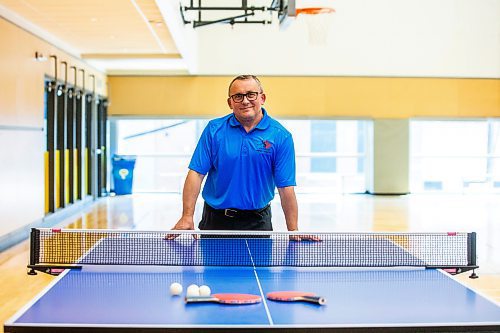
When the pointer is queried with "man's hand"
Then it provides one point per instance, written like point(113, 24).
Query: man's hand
point(302, 237)
point(185, 223)
point(190, 192)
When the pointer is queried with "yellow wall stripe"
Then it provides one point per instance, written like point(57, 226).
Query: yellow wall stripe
point(66, 176)
point(360, 97)
point(85, 171)
point(76, 180)
point(58, 180)
point(46, 169)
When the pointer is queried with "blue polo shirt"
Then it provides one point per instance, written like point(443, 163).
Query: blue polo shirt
point(244, 168)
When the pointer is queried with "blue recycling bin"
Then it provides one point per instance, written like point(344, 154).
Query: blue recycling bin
point(123, 173)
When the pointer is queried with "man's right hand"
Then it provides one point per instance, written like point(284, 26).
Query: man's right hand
point(185, 223)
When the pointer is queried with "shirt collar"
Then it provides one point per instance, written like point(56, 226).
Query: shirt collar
point(263, 123)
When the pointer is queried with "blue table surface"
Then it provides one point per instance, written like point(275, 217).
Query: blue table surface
point(374, 297)
point(354, 298)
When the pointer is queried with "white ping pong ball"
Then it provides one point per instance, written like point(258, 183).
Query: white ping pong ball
point(175, 289)
point(205, 290)
point(192, 291)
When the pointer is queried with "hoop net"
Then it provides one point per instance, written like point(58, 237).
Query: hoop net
point(318, 20)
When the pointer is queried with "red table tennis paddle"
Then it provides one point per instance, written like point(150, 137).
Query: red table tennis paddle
point(232, 299)
point(295, 296)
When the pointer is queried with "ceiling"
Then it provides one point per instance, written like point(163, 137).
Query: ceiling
point(109, 34)
point(446, 38)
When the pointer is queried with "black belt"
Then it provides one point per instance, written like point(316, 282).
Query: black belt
point(238, 213)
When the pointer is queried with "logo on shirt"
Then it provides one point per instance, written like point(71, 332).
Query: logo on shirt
point(264, 147)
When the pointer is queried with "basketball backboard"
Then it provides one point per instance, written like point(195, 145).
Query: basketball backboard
point(287, 14)
point(287, 9)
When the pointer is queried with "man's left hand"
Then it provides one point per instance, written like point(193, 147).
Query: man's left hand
point(303, 237)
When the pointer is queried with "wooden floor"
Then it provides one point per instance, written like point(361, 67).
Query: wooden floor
point(412, 213)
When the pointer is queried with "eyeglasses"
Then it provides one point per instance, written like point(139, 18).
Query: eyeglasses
point(251, 96)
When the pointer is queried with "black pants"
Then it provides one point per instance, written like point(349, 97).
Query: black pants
point(236, 219)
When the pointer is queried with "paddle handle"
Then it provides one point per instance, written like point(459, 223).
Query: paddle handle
point(314, 299)
point(200, 299)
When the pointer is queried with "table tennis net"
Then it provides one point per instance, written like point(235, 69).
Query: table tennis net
point(62, 247)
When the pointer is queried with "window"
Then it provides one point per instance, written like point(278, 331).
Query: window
point(323, 140)
point(330, 154)
point(163, 148)
point(455, 156)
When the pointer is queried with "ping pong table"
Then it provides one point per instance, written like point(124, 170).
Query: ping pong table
point(380, 296)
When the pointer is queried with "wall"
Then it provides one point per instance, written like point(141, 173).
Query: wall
point(397, 38)
point(390, 102)
point(22, 129)
point(394, 98)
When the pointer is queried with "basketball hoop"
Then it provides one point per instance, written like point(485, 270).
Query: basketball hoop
point(318, 20)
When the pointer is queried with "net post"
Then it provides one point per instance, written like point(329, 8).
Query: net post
point(471, 249)
point(34, 250)
point(471, 253)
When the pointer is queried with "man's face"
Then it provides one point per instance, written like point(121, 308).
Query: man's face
point(246, 110)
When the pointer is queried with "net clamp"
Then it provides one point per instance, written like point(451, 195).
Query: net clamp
point(230, 212)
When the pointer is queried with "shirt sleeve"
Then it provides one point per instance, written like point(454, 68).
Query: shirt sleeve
point(284, 170)
point(201, 160)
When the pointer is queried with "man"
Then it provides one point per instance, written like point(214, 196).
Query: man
point(246, 155)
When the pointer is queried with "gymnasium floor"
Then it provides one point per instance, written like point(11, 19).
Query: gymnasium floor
point(412, 213)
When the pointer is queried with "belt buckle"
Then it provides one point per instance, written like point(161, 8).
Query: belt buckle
point(228, 211)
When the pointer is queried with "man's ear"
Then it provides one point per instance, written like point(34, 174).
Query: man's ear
point(263, 97)
point(229, 103)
